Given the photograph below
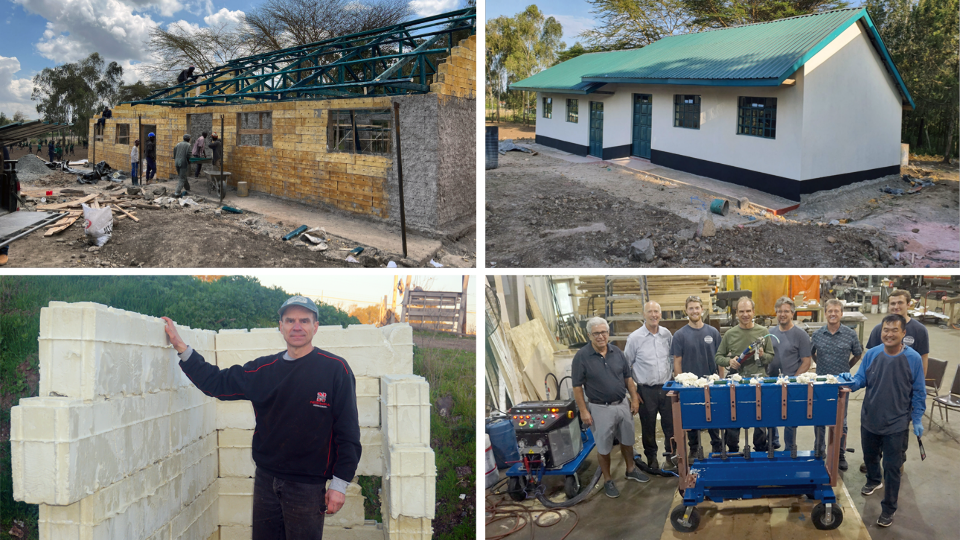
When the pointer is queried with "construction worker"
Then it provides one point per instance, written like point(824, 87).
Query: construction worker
point(308, 429)
point(50, 149)
point(216, 146)
point(181, 159)
point(150, 150)
point(135, 161)
point(199, 151)
point(186, 76)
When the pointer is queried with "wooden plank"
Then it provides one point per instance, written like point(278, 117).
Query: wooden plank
point(504, 312)
point(63, 224)
point(538, 315)
point(462, 323)
point(68, 204)
point(124, 212)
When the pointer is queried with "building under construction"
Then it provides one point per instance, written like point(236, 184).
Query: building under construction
point(317, 123)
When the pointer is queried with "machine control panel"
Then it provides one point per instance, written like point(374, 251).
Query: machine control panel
point(541, 416)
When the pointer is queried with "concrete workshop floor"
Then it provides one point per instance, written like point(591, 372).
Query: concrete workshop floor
point(929, 501)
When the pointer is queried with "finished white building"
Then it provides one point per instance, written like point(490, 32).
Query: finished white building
point(787, 107)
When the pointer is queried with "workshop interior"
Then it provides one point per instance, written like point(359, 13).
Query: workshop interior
point(542, 461)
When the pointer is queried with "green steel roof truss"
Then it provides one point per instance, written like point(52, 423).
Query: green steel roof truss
point(356, 65)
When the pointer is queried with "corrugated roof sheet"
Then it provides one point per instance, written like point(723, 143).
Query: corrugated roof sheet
point(762, 54)
point(22, 130)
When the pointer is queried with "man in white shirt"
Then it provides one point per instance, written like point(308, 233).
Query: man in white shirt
point(648, 352)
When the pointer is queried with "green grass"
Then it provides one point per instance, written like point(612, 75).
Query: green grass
point(452, 372)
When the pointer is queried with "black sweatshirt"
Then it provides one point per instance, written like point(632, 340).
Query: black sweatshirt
point(308, 428)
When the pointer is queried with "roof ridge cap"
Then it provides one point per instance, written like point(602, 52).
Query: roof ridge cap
point(779, 20)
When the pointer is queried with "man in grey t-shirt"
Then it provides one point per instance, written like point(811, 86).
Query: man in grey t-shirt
point(694, 349)
point(793, 353)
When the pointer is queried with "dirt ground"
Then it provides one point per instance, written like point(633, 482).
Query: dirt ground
point(199, 236)
point(542, 211)
point(514, 131)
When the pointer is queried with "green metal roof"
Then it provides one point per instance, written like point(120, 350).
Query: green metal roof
point(762, 54)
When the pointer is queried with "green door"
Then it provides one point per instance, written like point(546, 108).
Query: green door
point(642, 108)
point(596, 129)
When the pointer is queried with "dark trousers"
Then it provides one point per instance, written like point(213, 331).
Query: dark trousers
point(732, 439)
point(891, 446)
point(693, 440)
point(820, 439)
point(198, 169)
point(655, 401)
point(151, 168)
point(285, 510)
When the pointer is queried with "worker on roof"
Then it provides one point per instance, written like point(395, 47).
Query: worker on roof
point(308, 429)
point(892, 373)
point(648, 353)
point(602, 373)
point(181, 159)
point(737, 355)
point(186, 76)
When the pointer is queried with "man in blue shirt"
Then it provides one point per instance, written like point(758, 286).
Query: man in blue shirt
point(694, 350)
point(893, 376)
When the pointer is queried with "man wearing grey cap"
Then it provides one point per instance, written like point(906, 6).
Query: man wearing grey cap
point(308, 431)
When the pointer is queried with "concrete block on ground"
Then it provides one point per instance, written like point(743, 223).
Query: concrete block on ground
point(237, 462)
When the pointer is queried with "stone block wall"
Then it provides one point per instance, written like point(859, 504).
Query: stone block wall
point(127, 448)
point(439, 178)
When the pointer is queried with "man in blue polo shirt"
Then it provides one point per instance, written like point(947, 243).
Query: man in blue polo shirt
point(836, 349)
point(892, 373)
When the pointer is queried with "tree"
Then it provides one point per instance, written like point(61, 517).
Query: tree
point(73, 93)
point(629, 24)
point(522, 46)
point(180, 46)
point(725, 13)
point(278, 24)
point(922, 39)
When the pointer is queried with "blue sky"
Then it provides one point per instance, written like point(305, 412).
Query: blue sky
point(573, 15)
point(35, 34)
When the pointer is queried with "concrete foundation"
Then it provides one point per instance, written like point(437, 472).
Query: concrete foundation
point(127, 448)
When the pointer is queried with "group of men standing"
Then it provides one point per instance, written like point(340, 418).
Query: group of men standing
point(620, 384)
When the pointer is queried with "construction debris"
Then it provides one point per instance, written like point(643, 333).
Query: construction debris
point(508, 146)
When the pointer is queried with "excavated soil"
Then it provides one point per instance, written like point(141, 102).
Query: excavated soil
point(544, 212)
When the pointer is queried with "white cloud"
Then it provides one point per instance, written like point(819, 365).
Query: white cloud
point(230, 19)
point(75, 28)
point(426, 8)
point(14, 92)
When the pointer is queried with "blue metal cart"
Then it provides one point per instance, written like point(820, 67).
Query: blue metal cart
point(749, 475)
point(530, 471)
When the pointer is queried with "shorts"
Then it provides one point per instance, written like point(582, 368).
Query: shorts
point(609, 422)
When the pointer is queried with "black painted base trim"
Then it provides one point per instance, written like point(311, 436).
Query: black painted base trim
point(777, 185)
point(569, 147)
point(617, 152)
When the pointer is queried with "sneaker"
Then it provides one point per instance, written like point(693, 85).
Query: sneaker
point(842, 464)
point(637, 476)
point(653, 464)
point(863, 468)
point(870, 488)
point(885, 520)
point(611, 490)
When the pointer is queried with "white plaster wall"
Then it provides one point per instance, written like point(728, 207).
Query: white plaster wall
point(851, 109)
point(558, 127)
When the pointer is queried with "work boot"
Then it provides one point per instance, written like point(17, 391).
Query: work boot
point(653, 464)
point(842, 464)
point(670, 463)
point(610, 490)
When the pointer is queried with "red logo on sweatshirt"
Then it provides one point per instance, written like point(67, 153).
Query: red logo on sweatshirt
point(321, 400)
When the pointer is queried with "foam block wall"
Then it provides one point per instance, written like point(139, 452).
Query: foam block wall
point(121, 445)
